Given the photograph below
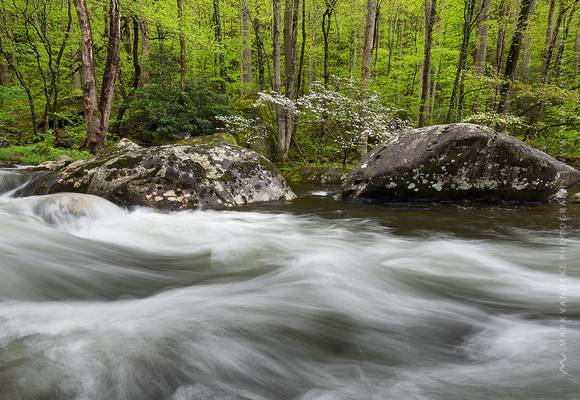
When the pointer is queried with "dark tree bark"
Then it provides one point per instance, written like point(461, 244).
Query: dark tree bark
point(326, 25)
point(430, 15)
point(501, 33)
point(558, 59)
point(219, 39)
point(182, 60)
point(513, 56)
point(260, 55)
point(299, 83)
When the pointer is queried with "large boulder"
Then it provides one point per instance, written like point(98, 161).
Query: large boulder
point(173, 176)
point(457, 162)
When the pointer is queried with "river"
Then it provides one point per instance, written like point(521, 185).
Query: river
point(316, 299)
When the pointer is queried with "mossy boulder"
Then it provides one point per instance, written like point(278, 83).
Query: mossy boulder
point(173, 176)
point(458, 162)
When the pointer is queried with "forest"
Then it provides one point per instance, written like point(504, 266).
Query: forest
point(317, 81)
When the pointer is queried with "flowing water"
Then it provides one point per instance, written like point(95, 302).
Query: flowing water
point(314, 299)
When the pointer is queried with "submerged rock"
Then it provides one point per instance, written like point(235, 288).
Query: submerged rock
point(458, 162)
point(174, 176)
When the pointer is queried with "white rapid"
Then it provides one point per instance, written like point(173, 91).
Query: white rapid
point(100, 302)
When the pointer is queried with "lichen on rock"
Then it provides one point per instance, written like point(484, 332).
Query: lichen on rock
point(174, 176)
point(458, 162)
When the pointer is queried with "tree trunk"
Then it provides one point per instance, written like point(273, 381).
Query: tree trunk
point(326, 25)
point(513, 55)
point(280, 114)
point(482, 32)
point(77, 65)
point(246, 52)
point(367, 58)
point(577, 48)
point(550, 41)
point(97, 113)
point(558, 60)
point(501, 32)
point(182, 61)
point(111, 66)
point(302, 50)
point(430, 15)
point(291, 10)
point(219, 39)
point(145, 75)
point(95, 138)
point(367, 55)
point(260, 55)
point(459, 82)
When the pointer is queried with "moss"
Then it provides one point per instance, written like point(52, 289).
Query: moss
point(38, 153)
point(126, 162)
point(228, 176)
point(246, 167)
point(210, 139)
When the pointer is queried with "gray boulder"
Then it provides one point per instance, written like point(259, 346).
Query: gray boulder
point(173, 176)
point(458, 162)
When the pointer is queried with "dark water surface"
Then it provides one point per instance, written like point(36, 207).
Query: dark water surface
point(315, 299)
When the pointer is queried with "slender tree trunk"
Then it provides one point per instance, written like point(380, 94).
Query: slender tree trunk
point(577, 48)
point(219, 39)
point(326, 25)
point(280, 113)
point(182, 60)
point(111, 66)
point(302, 50)
point(458, 84)
point(430, 15)
point(145, 75)
point(369, 40)
point(559, 55)
point(246, 52)
point(77, 65)
point(137, 74)
point(260, 55)
point(367, 58)
point(513, 55)
point(482, 32)
point(501, 33)
point(550, 41)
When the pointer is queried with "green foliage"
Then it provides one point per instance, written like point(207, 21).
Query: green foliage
point(507, 123)
point(160, 114)
point(40, 152)
point(545, 115)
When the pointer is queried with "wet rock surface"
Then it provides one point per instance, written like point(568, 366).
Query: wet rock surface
point(458, 162)
point(173, 177)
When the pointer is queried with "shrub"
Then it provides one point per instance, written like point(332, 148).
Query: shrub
point(159, 114)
